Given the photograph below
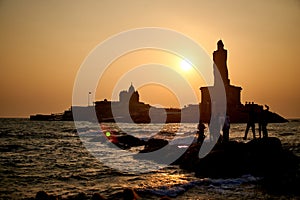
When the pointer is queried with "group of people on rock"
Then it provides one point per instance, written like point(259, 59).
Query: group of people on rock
point(256, 114)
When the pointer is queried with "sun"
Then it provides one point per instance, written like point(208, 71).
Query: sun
point(185, 65)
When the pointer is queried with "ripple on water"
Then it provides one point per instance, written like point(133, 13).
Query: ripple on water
point(50, 156)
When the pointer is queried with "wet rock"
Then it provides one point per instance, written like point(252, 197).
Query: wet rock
point(41, 195)
point(154, 144)
point(80, 196)
point(128, 141)
point(97, 196)
point(260, 157)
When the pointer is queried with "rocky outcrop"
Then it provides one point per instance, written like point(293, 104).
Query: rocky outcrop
point(153, 145)
point(127, 141)
point(260, 157)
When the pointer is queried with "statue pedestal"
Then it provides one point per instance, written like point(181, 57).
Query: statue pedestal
point(233, 101)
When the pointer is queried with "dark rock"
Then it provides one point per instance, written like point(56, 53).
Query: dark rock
point(190, 158)
point(41, 195)
point(260, 157)
point(52, 197)
point(154, 144)
point(80, 196)
point(97, 196)
point(226, 160)
point(128, 141)
point(286, 134)
point(159, 151)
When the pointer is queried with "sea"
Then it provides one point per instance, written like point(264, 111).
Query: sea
point(64, 159)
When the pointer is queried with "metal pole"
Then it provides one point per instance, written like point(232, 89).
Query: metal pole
point(89, 99)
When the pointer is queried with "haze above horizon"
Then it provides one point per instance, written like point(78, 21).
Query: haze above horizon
point(43, 44)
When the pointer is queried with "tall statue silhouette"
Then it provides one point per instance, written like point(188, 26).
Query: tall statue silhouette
point(220, 60)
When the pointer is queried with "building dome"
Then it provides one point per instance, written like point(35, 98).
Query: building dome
point(130, 96)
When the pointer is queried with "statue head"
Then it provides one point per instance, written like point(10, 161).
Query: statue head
point(220, 44)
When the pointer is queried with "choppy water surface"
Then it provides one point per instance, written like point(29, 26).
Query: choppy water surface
point(50, 156)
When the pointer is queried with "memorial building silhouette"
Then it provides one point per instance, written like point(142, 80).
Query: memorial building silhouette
point(221, 76)
point(129, 108)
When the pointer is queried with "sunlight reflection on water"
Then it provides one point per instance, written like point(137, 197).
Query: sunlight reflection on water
point(50, 156)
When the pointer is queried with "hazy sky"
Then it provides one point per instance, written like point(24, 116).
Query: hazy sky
point(43, 44)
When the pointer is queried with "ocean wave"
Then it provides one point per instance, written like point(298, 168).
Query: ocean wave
point(178, 189)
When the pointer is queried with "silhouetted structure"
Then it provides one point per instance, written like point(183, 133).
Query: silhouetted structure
point(233, 93)
point(110, 111)
point(126, 109)
point(234, 108)
point(220, 64)
point(131, 96)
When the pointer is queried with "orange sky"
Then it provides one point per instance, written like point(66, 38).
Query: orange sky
point(43, 44)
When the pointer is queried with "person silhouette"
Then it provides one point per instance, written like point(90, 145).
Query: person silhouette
point(226, 128)
point(251, 120)
point(263, 122)
point(260, 119)
point(201, 128)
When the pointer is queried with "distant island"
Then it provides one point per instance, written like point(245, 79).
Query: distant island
point(139, 112)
